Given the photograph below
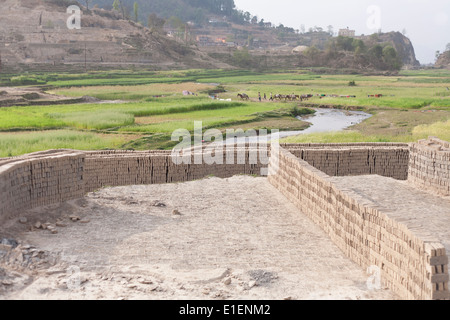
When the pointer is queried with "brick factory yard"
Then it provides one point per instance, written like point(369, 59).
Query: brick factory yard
point(235, 238)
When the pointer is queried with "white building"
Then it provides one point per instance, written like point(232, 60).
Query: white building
point(347, 32)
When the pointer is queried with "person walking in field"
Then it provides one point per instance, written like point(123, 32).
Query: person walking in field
point(259, 96)
point(265, 97)
point(271, 97)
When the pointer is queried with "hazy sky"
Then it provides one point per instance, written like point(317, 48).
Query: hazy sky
point(427, 22)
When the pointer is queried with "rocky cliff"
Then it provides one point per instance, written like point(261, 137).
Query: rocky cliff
point(401, 43)
point(443, 61)
point(35, 32)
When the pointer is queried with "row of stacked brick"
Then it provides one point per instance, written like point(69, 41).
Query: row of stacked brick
point(40, 179)
point(409, 266)
point(132, 168)
point(351, 161)
point(429, 165)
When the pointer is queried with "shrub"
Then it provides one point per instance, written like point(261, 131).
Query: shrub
point(24, 80)
point(296, 111)
point(216, 90)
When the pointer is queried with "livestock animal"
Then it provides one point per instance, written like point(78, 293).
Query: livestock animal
point(305, 97)
point(243, 96)
point(292, 97)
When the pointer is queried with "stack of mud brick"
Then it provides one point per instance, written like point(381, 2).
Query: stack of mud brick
point(40, 179)
point(118, 168)
point(411, 267)
point(429, 165)
point(384, 159)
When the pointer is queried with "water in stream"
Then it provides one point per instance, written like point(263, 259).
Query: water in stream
point(324, 120)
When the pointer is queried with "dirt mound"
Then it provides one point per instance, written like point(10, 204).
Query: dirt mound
point(23, 96)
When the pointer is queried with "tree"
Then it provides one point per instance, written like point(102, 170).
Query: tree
point(136, 11)
point(302, 28)
point(358, 45)
point(312, 52)
point(437, 54)
point(155, 22)
point(391, 59)
point(242, 58)
point(122, 8)
point(344, 43)
point(250, 40)
point(330, 30)
point(87, 4)
point(318, 29)
point(376, 52)
point(247, 17)
point(116, 5)
point(176, 23)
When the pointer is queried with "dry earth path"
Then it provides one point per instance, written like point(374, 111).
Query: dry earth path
point(235, 238)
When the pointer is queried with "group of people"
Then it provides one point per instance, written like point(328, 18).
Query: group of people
point(265, 97)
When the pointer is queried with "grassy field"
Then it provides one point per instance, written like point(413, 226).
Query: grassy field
point(12, 144)
point(142, 109)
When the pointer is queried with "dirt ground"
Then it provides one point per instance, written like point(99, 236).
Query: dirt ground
point(235, 238)
point(23, 96)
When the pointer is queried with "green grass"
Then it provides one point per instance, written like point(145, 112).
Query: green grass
point(16, 118)
point(102, 116)
point(13, 144)
point(210, 118)
point(97, 119)
point(398, 116)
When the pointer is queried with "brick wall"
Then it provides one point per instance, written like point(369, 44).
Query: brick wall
point(429, 165)
point(384, 159)
point(40, 179)
point(130, 168)
point(409, 266)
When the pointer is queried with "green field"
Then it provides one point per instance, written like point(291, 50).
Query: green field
point(143, 108)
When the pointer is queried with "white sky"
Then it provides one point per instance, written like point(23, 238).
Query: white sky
point(427, 22)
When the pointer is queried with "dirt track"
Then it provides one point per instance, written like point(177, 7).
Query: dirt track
point(236, 238)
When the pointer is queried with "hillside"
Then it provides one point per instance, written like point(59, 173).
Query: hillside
point(218, 28)
point(401, 43)
point(196, 11)
point(443, 61)
point(34, 34)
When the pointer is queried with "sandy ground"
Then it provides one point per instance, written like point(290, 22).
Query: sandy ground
point(235, 238)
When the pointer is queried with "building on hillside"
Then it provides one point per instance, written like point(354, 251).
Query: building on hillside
point(347, 32)
point(204, 41)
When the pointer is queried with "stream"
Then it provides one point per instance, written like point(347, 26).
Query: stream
point(324, 120)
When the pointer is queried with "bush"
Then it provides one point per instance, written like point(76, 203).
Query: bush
point(216, 90)
point(296, 111)
point(24, 80)
point(352, 84)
